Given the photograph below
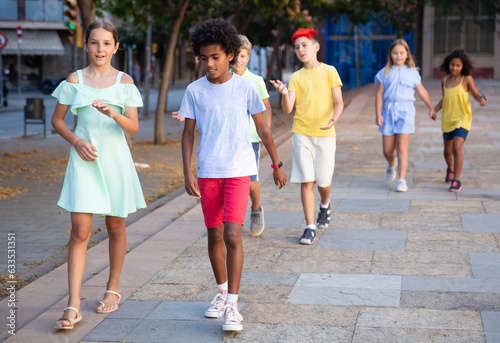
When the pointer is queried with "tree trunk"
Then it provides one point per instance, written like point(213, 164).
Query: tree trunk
point(159, 136)
point(87, 9)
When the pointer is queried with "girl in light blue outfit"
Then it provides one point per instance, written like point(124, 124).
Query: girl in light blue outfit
point(395, 109)
point(100, 177)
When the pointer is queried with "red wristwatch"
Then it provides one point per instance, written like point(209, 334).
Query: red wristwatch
point(276, 166)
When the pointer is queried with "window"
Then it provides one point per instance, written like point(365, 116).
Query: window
point(469, 27)
point(44, 10)
point(8, 10)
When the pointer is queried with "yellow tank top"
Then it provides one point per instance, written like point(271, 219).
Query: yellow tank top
point(457, 110)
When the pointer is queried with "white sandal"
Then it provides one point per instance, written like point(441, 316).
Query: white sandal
point(72, 321)
point(104, 303)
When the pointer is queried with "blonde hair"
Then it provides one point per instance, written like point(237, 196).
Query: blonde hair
point(245, 44)
point(409, 60)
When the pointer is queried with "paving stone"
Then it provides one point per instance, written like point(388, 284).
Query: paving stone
point(423, 193)
point(161, 330)
point(429, 130)
point(289, 219)
point(321, 315)
point(481, 222)
point(485, 265)
point(450, 284)
point(346, 290)
point(369, 183)
point(271, 333)
point(363, 240)
point(134, 309)
point(373, 206)
point(487, 119)
point(434, 240)
point(491, 327)
point(419, 319)
point(439, 164)
point(269, 279)
point(429, 263)
point(341, 157)
point(323, 261)
point(355, 220)
point(494, 134)
point(428, 150)
point(112, 330)
point(360, 193)
point(181, 277)
point(434, 207)
point(181, 310)
point(263, 294)
point(152, 291)
point(454, 301)
point(394, 335)
point(479, 193)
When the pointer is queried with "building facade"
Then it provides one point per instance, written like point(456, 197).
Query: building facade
point(45, 50)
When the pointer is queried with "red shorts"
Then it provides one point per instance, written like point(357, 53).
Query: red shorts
point(224, 200)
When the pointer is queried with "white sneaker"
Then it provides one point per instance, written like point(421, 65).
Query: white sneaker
point(232, 318)
point(391, 172)
point(217, 305)
point(401, 187)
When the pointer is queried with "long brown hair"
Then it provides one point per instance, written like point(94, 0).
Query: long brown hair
point(409, 60)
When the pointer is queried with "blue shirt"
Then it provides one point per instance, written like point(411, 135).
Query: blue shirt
point(399, 84)
point(222, 115)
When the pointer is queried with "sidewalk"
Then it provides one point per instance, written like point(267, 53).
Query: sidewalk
point(420, 266)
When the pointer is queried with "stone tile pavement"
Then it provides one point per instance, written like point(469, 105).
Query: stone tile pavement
point(420, 266)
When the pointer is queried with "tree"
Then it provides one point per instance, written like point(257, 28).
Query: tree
point(87, 10)
point(167, 17)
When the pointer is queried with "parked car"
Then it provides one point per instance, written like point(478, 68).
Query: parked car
point(49, 85)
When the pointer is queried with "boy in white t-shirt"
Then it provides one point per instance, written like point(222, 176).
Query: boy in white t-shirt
point(219, 105)
point(239, 67)
point(315, 91)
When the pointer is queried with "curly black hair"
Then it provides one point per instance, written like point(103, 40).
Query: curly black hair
point(467, 68)
point(216, 31)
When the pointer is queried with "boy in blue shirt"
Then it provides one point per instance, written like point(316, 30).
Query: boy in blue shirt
point(219, 105)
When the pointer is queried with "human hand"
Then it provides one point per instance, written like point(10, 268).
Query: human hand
point(483, 101)
point(280, 86)
point(104, 108)
point(191, 185)
point(330, 124)
point(432, 114)
point(85, 150)
point(379, 120)
point(175, 115)
point(279, 177)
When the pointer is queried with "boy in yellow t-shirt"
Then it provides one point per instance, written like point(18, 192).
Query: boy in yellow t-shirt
point(315, 90)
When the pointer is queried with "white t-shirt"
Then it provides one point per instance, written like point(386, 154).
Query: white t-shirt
point(221, 112)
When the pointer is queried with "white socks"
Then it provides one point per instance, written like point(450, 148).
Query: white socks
point(222, 287)
point(232, 298)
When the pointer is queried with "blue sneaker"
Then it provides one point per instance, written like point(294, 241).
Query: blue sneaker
point(308, 237)
point(323, 217)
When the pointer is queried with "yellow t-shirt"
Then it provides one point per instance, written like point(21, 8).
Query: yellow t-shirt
point(314, 99)
point(457, 110)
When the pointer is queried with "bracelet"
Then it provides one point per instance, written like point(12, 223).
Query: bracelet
point(276, 166)
point(482, 96)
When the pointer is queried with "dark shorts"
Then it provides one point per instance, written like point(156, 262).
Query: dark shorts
point(460, 132)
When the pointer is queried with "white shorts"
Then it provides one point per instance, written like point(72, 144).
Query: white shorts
point(313, 159)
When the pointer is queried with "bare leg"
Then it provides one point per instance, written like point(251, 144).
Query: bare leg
point(324, 193)
point(389, 148)
point(81, 227)
point(458, 144)
point(234, 262)
point(217, 253)
point(255, 194)
point(307, 197)
point(117, 251)
point(448, 153)
point(402, 141)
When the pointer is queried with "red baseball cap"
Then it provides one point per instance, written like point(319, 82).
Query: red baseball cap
point(308, 33)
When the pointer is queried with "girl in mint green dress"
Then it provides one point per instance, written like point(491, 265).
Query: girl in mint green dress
point(100, 177)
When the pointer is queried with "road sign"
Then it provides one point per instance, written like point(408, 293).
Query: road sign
point(3, 40)
point(19, 32)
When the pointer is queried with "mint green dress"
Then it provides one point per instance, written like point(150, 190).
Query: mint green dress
point(110, 185)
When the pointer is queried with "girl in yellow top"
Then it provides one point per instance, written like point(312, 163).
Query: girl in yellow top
point(457, 86)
